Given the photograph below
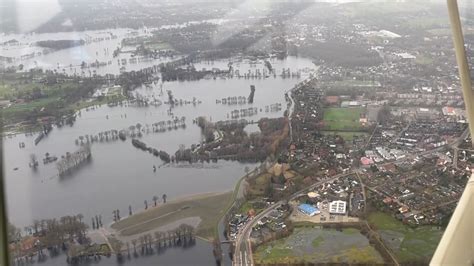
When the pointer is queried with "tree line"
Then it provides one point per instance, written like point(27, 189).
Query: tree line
point(51, 235)
point(156, 242)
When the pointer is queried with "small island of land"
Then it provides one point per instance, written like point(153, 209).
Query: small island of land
point(208, 208)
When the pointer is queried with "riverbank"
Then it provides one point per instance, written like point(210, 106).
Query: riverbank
point(202, 210)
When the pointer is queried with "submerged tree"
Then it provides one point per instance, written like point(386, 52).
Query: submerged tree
point(164, 198)
point(155, 199)
point(134, 243)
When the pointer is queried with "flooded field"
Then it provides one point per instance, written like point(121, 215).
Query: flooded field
point(119, 175)
point(319, 245)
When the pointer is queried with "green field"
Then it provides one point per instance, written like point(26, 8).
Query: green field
point(316, 245)
point(150, 42)
point(407, 243)
point(32, 100)
point(207, 207)
point(423, 60)
point(345, 119)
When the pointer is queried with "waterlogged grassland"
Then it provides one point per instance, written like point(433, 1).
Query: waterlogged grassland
point(208, 207)
point(31, 99)
point(308, 244)
point(408, 244)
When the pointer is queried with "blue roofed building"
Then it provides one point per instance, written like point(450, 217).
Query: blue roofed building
point(308, 209)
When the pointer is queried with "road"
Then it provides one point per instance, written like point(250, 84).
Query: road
point(243, 251)
point(290, 114)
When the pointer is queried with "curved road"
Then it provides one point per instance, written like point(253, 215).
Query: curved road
point(243, 251)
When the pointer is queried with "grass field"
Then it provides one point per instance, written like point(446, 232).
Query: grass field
point(346, 119)
point(158, 46)
point(408, 244)
point(313, 245)
point(208, 207)
point(423, 60)
point(58, 99)
point(109, 98)
point(30, 106)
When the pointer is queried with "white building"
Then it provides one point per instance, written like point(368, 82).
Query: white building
point(337, 207)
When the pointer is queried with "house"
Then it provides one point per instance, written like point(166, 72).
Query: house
point(346, 104)
point(366, 161)
point(403, 209)
point(392, 168)
point(332, 100)
point(448, 111)
point(387, 200)
point(263, 221)
point(25, 245)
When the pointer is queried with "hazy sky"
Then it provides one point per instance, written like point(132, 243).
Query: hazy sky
point(30, 14)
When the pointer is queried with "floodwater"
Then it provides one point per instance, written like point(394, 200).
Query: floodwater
point(179, 256)
point(99, 47)
point(324, 245)
point(119, 174)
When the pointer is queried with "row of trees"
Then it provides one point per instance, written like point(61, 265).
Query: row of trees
point(148, 244)
point(155, 200)
point(136, 130)
point(74, 160)
point(116, 213)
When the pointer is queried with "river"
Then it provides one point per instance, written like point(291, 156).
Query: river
point(120, 175)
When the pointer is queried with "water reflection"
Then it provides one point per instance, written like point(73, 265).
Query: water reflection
point(196, 255)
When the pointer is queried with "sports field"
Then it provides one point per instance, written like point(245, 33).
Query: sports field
point(346, 119)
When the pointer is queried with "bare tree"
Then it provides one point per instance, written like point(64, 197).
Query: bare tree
point(134, 243)
point(155, 199)
point(164, 198)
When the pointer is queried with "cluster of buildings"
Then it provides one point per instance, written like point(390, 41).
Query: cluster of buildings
point(429, 134)
point(381, 154)
point(271, 225)
point(340, 200)
point(412, 165)
point(417, 191)
point(324, 153)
